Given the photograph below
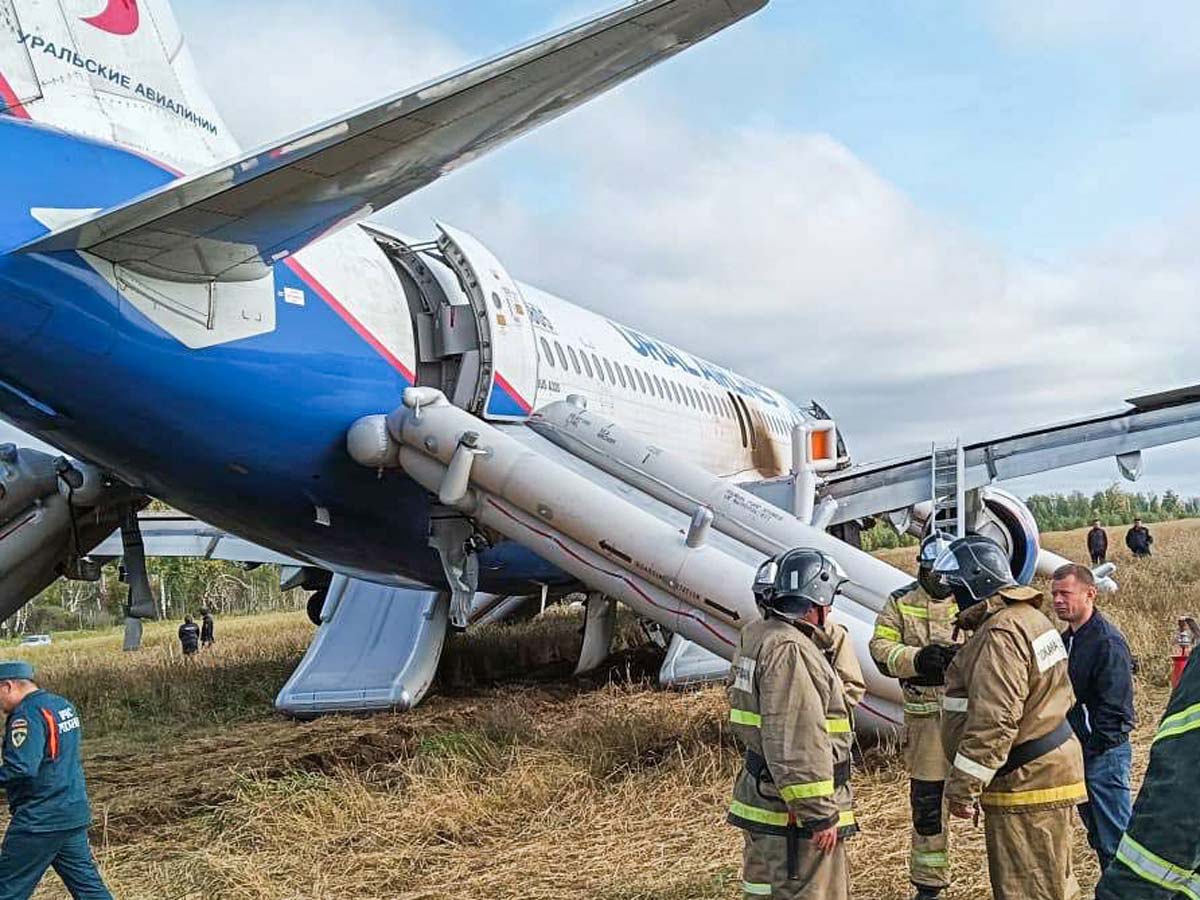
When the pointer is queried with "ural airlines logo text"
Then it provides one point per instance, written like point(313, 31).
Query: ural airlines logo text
point(693, 365)
point(117, 78)
point(119, 17)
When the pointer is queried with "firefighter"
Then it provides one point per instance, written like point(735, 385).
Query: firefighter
point(1159, 855)
point(189, 636)
point(789, 708)
point(844, 660)
point(914, 641)
point(43, 778)
point(1005, 727)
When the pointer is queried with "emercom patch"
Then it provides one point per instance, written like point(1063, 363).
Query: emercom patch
point(18, 731)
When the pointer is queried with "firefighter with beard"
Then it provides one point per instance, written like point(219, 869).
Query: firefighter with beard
point(1004, 725)
point(789, 708)
point(914, 641)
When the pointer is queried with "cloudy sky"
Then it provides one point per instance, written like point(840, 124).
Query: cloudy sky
point(938, 219)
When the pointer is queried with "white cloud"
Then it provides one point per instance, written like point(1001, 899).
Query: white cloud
point(274, 67)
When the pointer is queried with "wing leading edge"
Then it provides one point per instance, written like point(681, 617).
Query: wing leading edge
point(230, 223)
point(1150, 421)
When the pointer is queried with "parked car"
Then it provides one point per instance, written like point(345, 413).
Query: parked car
point(36, 640)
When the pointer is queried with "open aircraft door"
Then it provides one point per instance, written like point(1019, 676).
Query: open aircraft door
point(508, 357)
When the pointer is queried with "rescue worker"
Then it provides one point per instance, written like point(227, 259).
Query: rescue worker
point(914, 641)
point(1159, 855)
point(1097, 543)
point(844, 660)
point(788, 707)
point(207, 628)
point(43, 778)
point(189, 636)
point(1138, 539)
point(1005, 727)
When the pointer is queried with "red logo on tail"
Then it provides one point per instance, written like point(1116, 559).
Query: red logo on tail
point(118, 17)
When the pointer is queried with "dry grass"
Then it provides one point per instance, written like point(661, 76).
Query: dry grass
point(605, 789)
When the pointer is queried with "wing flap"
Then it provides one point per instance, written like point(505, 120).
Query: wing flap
point(232, 222)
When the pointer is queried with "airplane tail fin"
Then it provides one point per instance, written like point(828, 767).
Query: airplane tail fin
point(113, 70)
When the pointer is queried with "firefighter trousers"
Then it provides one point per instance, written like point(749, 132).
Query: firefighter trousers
point(1029, 854)
point(822, 876)
point(925, 759)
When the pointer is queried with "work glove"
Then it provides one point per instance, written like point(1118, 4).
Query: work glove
point(933, 660)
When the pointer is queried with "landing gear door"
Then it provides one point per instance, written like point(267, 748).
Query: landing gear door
point(507, 344)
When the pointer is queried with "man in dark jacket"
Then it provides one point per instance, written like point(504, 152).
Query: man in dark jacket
point(1097, 541)
point(1159, 856)
point(189, 636)
point(1138, 539)
point(1101, 670)
point(43, 778)
point(207, 628)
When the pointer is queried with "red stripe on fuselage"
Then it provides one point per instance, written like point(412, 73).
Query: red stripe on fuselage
point(12, 103)
point(321, 291)
point(503, 384)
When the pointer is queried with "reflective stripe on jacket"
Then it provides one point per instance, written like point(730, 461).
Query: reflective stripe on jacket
point(910, 620)
point(788, 706)
point(1008, 685)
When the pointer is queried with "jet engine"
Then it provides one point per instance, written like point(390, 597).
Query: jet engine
point(52, 512)
point(1007, 520)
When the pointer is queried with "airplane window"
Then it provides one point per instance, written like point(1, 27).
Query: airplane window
point(546, 354)
point(658, 385)
point(621, 376)
point(675, 391)
point(608, 369)
point(562, 357)
point(574, 360)
point(641, 382)
point(695, 398)
point(708, 404)
point(599, 371)
point(587, 365)
point(629, 375)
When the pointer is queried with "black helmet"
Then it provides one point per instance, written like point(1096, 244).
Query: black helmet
point(975, 567)
point(932, 546)
point(792, 582)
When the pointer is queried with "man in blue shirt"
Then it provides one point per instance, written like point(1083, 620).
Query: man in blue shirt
point(1101, 670)
point(42, 775)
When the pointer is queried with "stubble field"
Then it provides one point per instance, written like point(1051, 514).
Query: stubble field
point(536, 788)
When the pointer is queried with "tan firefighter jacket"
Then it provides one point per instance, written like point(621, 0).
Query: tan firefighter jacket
point(1009, 685)
point(844, 660)
point(789, 709)
point(910, 620)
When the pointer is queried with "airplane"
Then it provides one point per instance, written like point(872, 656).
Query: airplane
point(228, 332)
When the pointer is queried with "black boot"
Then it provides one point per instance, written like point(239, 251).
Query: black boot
point(927, 893)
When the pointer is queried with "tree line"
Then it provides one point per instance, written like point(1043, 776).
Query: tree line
point(1063, 512)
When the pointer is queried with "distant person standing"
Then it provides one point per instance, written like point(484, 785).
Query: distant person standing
point(1101, 670)
point(207, 628)
point(189, 636)
point(1097, 541)
point(1138, 539)
point(47, 797)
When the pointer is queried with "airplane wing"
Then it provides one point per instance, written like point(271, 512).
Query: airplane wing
point(231, 223)
point(176, 534)
point(1150, 421)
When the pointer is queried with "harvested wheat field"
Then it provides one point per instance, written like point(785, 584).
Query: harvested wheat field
point(536, 788)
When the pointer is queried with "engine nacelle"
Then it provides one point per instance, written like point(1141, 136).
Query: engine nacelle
point(1007, 520)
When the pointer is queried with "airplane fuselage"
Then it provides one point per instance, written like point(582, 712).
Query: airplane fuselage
point(249, 432)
